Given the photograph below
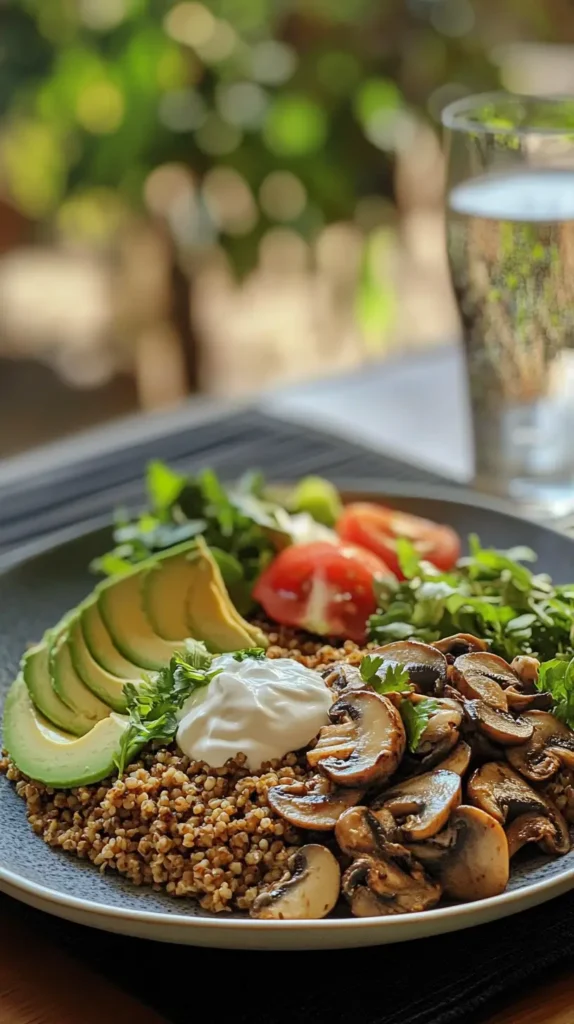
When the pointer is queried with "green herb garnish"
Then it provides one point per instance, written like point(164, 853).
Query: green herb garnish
point(250, 652)
point(416, 718)
point(153, 704)
point(394, 680)
point(490, 593)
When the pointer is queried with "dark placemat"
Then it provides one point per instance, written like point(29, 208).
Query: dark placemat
point(431, 981)
point(60, 496)
point(440, 980)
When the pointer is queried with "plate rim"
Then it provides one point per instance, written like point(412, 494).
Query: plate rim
point(509, 901)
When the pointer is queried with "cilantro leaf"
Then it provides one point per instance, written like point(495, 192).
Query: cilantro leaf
point(250, 652)
point(394, 680)
point(153, 704)
point(416, 718)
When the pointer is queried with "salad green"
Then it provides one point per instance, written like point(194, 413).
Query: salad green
point(491, 594)
point(241, 525)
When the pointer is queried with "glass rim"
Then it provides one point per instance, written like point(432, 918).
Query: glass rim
point(456, 116)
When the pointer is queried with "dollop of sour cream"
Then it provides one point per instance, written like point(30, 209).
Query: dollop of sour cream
point(260, 707)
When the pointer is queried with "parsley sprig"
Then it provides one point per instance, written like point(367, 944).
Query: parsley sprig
point(395, 678)
point(152, 705)
point(416, 717)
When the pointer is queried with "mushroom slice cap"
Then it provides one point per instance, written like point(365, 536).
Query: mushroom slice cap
point(316, 804)
point(442, 730)
point(342, 677)
point(499, 726)
point(460, 643)
point(550, 746)
point(366, 742)
point(476, 865)
point(458, 760)
point(518, 701)
point(427, 667)
point(503, 793)
point(360, 831)
point(526, 668)
point(380, 887)
point(550, 833)
point(311, 891)
point(483, 676)
point(422, 805)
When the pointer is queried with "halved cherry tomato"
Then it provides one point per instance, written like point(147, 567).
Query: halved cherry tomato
point(323, 587)
point(377, 528)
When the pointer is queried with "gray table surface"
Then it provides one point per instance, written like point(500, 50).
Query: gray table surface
point(412, 407)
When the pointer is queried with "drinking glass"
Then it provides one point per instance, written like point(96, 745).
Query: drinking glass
point(510, 237)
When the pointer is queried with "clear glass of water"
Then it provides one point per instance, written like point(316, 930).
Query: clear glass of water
point(510, 236)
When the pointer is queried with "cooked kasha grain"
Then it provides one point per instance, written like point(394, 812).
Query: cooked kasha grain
point(181, 825)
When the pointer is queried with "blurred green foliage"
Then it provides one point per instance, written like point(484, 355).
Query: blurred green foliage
point(96, 95)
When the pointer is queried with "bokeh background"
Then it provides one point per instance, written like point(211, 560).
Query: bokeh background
point(228, 195)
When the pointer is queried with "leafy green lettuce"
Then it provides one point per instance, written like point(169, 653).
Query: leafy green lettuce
point(490, 593)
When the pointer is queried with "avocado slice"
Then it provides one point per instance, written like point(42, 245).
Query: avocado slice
point(36, 675)
point(106, 686)
point(68, 685)
point(210, 612)
point(121, 607)
point(212, 571)
point(53, 757)
point(100, 644)
point(165, 588)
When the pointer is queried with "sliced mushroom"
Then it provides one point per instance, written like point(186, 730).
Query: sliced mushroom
point(342, 677)
point(363, 831)
point(470, 858)
point(526, 668)
point(498, 726)
point(550, 833)
point(483, 676)
point(503, 793)
point(310, 890)
point(528, 828)
point(366, 743)
point(442, 731)
point(460, 643)
point(458, 760)
point(550, 746)
point(381, 886)
point(421, 806)
point(427, 667)
point(316, 804)
point(519, 701)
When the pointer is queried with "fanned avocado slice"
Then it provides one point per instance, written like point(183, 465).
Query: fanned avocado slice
point(183, 580)
point(105, 685)
point(165, 589)
point(211, 569)
point(36, 675)
point(100, 644)
point(121, 606)
point(211, 616)
point(53, 757)
point(68, 685)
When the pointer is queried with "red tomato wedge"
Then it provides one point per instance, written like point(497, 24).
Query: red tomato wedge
point(321, 587)
point(377, 528)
